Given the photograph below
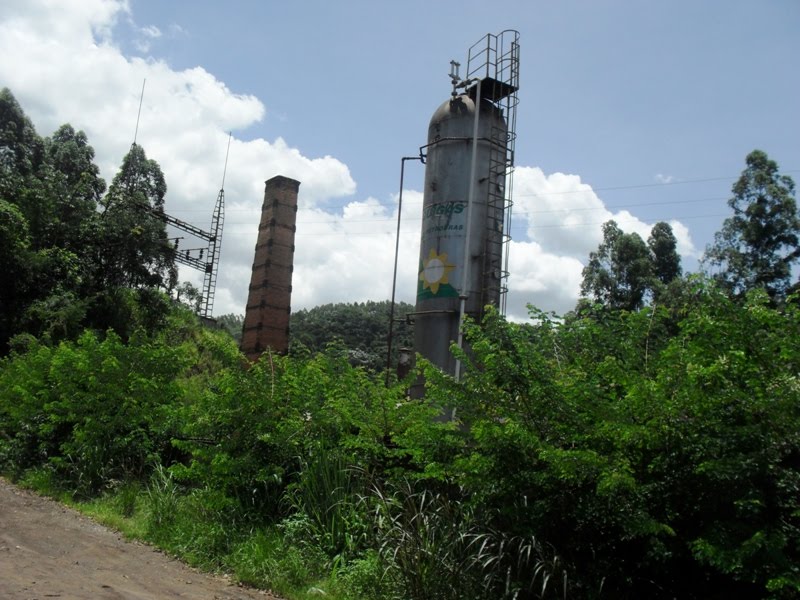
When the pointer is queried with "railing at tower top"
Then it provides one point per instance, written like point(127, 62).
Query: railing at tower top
point(496, 57)
point(494, 60)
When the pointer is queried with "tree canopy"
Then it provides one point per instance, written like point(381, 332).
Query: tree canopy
point(137, 251)
point(361, 327)
point(758, 245)
point(621, 272)
point(78, 258)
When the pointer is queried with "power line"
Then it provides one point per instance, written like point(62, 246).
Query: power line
point(415, 230)
point(634, 186)
point(529, 212)
point(523, 212)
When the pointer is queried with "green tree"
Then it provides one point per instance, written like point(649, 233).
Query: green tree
point(136, 251)
point(21, 149)
point(21, 161)
point(15, 255)
point(663, 253)
point(362, 327)
point(75, 187)
point(189, 295)
point(656, 470)
point(758, 245)
point(619, 273)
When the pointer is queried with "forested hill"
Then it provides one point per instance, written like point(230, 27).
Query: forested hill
point(361, 328)
point(645, 445)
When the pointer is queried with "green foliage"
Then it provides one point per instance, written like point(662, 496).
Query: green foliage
point(136, 251)
point(162, 495)
point(328, 493)
point(232, 324)
point(21, 152)
point(624, 271)
point(651, 453)
point(657, 465)
point(362, 328)
point(265, 560)
point(619, 272)
point(95, 409)
point(74, 188)
point(424, 538)
point(663, 253)
point(248, 431)
point(15, 255)
point(366, 578)
point(758, 245)
point(625, 450)
point(71, 266)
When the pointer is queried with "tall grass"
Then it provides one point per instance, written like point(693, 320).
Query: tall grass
point(328, 495)
point(440, 549)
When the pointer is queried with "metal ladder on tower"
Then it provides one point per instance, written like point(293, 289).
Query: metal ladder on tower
point(212, 264)
point(495, 61)
point(497, 204)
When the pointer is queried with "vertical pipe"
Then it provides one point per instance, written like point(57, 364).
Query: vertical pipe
point(470, 202)
point(394, 276)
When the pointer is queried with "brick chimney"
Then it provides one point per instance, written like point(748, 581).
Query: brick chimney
point(266, 319)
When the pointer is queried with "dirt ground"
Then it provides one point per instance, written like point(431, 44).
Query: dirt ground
point(50, 551)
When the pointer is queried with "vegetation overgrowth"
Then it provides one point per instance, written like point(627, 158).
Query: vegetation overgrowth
point(616, 454)
point(646, 445)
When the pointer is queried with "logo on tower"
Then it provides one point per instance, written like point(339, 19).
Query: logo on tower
point(434, 277)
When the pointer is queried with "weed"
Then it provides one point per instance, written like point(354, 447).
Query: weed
point(125, 495)
point(162, 495)
point(264, 559)
point(424, 539)
point(366, 578)
point(328, 495)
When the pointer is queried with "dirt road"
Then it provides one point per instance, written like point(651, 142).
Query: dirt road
point(50, 551)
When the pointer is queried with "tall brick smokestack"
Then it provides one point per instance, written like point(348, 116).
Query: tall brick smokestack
point(266, 319)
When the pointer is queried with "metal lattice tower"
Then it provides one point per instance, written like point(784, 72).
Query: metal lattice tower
point(494, 60)
point(212, 266)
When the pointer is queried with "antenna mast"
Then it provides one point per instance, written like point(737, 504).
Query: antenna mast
point(186, 257)
point(139, 114)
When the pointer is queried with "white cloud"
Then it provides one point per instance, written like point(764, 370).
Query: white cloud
point(150, 31)
point(145, 36)
point(81, 21)
point(562, 218)
point(67, 68)
point(661, 178)
point(546, 280)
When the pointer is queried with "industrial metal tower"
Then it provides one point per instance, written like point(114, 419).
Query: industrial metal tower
point(467, 199)
point(210, 266)
point(493, 63)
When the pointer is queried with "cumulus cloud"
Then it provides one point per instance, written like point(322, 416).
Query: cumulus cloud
point(562, 218)
point(145, 36)
point(661, 178)
point(68, 68)
point(547, 280)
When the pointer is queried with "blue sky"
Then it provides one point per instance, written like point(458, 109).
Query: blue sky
point(639, 111)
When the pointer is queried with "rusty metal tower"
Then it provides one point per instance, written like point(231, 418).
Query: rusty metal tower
point(205, 259)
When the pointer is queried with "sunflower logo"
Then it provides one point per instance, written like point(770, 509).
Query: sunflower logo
point(435, 271)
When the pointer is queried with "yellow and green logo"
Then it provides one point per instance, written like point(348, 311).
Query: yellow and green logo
point(434, 276)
